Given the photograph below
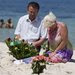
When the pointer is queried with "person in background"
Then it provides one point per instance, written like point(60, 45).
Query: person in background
point(58, 43)
point(29, 26)
point(1, 23)
point(9, 23)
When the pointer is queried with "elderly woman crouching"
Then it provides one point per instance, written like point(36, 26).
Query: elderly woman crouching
point(59, 46)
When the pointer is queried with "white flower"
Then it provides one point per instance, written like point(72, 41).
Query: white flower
point(41, 52)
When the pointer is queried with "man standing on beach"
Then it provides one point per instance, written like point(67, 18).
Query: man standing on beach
point(29, 26)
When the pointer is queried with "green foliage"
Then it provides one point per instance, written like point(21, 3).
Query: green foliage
point(45, 45)
point(38, 67)
point(38, 64)
point(21, 49)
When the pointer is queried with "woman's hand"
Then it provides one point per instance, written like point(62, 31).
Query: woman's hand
point(52, 54)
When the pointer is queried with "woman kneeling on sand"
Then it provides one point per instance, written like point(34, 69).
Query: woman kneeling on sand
point(58, 43)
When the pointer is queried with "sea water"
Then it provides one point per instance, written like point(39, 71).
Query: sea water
point(14, 9)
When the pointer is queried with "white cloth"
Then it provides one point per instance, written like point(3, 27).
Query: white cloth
point(28, 30)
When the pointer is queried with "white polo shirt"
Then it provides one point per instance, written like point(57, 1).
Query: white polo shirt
point(28, 30)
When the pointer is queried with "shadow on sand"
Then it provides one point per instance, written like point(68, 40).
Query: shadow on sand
point(72, 60)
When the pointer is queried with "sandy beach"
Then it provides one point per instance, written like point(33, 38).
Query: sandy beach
point(7, 67)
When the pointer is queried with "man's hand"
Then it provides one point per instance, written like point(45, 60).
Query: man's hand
point(35, 44)
point(17, 37)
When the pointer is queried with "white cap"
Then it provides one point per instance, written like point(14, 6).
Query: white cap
point(48, 18)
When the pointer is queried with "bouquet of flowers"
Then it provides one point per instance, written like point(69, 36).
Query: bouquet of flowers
point(21, 49)
point(38, 64)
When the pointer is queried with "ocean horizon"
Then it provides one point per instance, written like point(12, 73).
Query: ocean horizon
point(63, 9)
